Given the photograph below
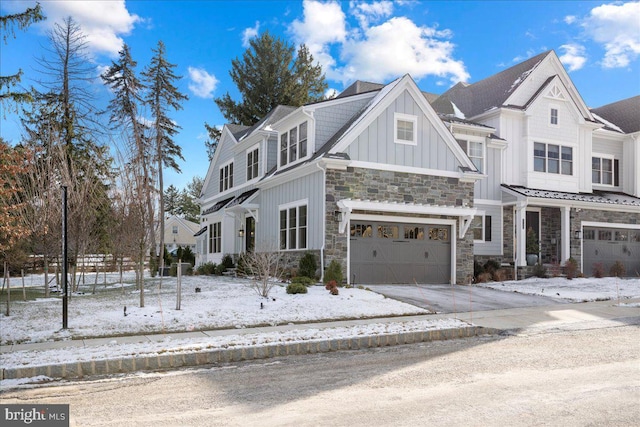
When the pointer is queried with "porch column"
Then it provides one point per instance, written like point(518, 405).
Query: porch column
point(565, 234)
point(521, 233)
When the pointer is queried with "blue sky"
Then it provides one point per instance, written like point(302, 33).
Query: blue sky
point(437, 42)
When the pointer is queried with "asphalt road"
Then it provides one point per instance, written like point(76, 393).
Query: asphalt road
point(457, 299)
point(568, 378)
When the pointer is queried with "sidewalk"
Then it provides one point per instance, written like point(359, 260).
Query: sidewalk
point(526, 320)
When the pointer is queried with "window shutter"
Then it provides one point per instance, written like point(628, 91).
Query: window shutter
point(616, 176)
point(487, 228)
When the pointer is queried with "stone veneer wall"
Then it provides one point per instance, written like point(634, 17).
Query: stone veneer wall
point(507, 234)
point(387, 186)
point(550, 219)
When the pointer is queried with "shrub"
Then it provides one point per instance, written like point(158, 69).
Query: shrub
point(332, 287)
point(242, 267)
point(188, 255)
point(308, 265)
point(571, 268)
point(500, 275)
point(220, 268)
point(540, 270)
point(478, 269)
point(483, 277)
point(333, 272)
point(617, 269)
point(491, 266)
point(227, 261)
point(173, 270)
point(296, 288)
point(598, 270)
point(206, 268)
point(303, 280)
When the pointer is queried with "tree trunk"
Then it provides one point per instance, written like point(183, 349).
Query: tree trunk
point(24, 291)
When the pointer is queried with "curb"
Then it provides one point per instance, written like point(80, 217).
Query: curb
point(163, 362)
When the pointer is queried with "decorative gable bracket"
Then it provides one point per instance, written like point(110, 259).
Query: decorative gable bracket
point(465, 223)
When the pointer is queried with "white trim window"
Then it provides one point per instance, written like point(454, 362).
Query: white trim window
point(405, 129)
point(475, 151)
point(553, 116)
point(293, 226)
point(252, 163)
point(215, 238)
point(293, 144)
point(604, 170)
point(552, 158)
point(226, 177)
point(481, 228)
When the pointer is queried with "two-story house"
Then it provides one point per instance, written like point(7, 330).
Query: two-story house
point(402, 186)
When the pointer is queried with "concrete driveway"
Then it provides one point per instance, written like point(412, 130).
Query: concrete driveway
point(460, 299)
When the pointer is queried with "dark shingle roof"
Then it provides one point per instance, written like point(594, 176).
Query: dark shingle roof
point(605, 197)
point(489, 93)
point(274, 115)
point(625, 114)
point(217, 206)
point(358, 87)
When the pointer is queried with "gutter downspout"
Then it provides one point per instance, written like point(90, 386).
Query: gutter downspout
point(324, 222)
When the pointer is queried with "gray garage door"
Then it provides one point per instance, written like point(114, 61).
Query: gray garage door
point(607, 245)
point(400, 253)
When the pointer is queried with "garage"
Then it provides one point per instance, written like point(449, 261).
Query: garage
point(400, 253)
point(607, 245)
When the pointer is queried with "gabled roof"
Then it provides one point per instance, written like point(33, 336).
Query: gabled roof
point(359, 87)
point(492, 92)
point(274, 115)
point(624, 114)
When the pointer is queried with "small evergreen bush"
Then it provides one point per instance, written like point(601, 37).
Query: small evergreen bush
point(491, 266)
point(303, 280)
point(540, 270)
point(206, 268)
point(220, 268)
point(296, 288)
point(333, 272)
point(308, 265)
point(227, 261)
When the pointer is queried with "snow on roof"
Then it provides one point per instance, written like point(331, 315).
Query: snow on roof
point(595, 197)
point(606, 123)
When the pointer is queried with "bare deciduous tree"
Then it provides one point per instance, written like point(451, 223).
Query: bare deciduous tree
point(265, 266)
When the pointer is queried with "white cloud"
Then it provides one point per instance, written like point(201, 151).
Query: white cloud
point(574, 56)
point(399, 46)
point(249, 33)
point(202, 83)
point(388, 50)
point(366, 13)
point(103, 22)
point(617, 27)
point(570, 19)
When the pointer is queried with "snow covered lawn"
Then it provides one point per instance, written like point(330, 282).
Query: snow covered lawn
point(576, 290)
point(223, 303)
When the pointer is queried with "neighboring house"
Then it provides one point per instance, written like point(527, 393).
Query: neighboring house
point(179, 232)
point(402, 186)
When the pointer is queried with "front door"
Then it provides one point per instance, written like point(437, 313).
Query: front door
point(250, 239)
point(533, 221)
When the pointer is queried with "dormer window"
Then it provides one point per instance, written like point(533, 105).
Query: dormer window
point(553, 117)
point(226, 177)
point(604, 170)
point(293, 144)
point(405, 127)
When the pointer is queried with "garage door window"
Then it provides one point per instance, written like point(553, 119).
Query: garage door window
point(388, 231)
point(361, 230)
point(414, 233)
point(622, 236)
point(589, 234)
point(437, 233)
point(604, 235)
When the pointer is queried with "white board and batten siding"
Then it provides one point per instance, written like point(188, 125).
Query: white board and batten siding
point(493, 247)
point(376, 143)
point(310, 188)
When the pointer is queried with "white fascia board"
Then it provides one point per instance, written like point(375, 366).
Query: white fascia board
point(256, 137)
point(470, 128)
point(290, 175)
point(337, 101)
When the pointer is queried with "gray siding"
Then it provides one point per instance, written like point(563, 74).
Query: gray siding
point(332, 118)
point(494, 247)
point(309, 187)
point(272, 154)
point(226, 153)
point(376, 144)
point(489, 188)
